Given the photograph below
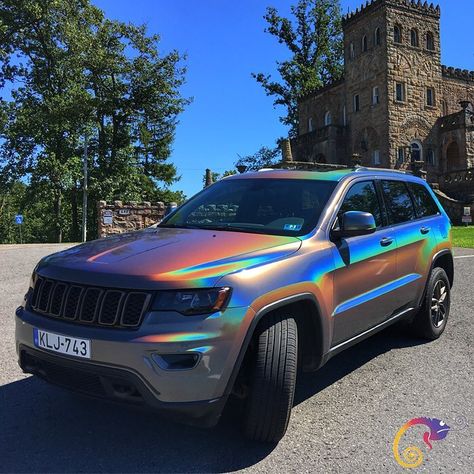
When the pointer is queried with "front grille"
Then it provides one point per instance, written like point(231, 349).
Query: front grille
point(89, 305)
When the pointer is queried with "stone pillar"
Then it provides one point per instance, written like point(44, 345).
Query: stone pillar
point(417, 169)
point(208, 178)
point(356, 160)
point(286, 151)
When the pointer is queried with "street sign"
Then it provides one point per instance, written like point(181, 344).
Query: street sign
point(467, 219)
point(467, 211)
point(19, 219)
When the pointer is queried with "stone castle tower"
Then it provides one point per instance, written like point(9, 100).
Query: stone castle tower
point(396, 102)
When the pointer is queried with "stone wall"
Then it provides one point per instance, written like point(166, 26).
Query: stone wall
point(314, 106)
point(456, 85)
point(453, 207)
point(459, 184)
point(118, 217)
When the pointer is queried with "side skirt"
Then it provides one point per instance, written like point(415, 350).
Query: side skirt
point(364, 335)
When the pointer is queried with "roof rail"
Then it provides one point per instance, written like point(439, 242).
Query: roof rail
point(310, 166)
point(390, 170)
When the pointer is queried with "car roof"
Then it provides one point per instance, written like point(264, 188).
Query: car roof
point(335, 175)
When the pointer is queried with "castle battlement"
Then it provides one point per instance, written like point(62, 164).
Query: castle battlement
point(409, 5)
point(456, 73)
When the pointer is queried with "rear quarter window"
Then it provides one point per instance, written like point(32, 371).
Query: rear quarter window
point(424, 203)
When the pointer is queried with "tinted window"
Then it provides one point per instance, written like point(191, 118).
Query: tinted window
point(362, 197)
point(264, 206)
point(424, 203)
point(398, 201)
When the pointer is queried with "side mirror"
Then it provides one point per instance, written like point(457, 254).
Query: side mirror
point(354, 223)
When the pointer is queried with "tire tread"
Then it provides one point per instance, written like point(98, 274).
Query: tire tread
point(274, 379)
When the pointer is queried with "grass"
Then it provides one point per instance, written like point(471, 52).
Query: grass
point(463, 237)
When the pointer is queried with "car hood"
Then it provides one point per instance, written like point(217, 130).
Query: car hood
point(165, 258)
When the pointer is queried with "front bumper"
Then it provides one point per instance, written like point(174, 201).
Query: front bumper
point(114, 384)
point(127, 355)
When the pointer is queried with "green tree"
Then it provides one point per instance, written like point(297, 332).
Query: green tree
point(314, 40)
point(264, 158)
point(75, 73)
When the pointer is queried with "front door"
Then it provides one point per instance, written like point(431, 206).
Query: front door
point(365, 269)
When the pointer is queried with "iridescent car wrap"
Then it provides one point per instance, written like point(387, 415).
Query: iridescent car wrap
point(263, 271)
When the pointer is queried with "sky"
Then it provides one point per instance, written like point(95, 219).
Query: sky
point(225, 41)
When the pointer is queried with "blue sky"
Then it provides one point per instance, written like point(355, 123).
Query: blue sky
point(225, 42)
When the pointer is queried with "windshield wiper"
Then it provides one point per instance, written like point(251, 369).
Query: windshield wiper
point(178, 226)
point(229, 226)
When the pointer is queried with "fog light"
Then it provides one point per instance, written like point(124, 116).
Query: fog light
point(175, 361)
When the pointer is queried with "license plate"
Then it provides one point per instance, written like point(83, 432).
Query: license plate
point(63, 344)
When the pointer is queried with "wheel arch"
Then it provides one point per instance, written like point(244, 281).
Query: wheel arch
point(445, 260)
point(308, 316)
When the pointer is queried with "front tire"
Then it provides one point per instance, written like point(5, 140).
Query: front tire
point(430, 322)
point(272, 379)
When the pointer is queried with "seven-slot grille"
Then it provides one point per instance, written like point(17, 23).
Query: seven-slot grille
point(88, 304)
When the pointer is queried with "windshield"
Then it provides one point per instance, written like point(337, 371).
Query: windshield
point(264, 206)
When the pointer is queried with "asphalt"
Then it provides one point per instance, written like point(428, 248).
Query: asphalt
point(345, 417)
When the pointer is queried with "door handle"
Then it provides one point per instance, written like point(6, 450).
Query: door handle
point(425, 230)
point(386, 241)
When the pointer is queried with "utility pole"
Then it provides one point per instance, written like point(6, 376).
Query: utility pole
point(84, 193)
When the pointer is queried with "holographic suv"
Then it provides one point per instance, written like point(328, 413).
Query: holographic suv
point(255, 277)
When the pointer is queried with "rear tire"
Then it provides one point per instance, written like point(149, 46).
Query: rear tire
point(430, 321)
point(272, 379)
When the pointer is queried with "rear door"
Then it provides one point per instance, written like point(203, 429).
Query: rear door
point(365, 267)
point(411, 215)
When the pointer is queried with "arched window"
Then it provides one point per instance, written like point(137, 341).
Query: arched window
point(364, 43)
point(414, 37)
point(430, 41)
point(416, 151)
point(351, 51)
point(327, 118)
point(377, 37)
point(310, 124)
point(397, 34)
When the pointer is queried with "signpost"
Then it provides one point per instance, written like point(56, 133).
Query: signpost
point(19, 223)
point(467, 218)
point(108, 217)
point(84, 193)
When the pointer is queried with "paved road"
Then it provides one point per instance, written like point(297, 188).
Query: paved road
point(344, 421)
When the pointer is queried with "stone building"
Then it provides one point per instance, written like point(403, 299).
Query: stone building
point(396, 102)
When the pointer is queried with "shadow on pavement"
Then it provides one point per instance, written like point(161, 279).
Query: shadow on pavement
point(47, 429)
point(351, 359)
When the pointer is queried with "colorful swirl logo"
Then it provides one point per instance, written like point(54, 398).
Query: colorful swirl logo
point(412, 456)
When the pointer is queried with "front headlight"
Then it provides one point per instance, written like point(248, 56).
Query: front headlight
point(192, 302)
